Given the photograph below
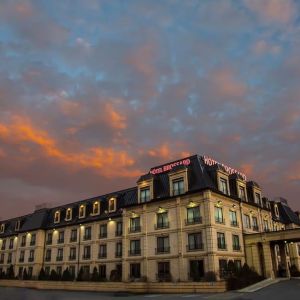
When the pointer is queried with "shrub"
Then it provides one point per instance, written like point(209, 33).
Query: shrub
point(210, 276)
point(95, 275)
point(294, 271)
point(25, 275)
point(10, 274)
point(67, 276)
point(115, 276)
point(54, 276)
point(42, 275)
point(80, 275)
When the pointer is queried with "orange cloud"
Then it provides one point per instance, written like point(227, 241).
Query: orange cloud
point(247, 169)
point(107, 161)
point(114, 118)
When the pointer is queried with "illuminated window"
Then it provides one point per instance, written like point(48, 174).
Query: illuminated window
point(276, 210)
point(69, 214)
point(17, 226)
point(219, 215)
point(112, 205)
point(57, 217)
point(223, 186)
point(2, 228)
point(96, 207)
point(145, 194)
point(242, 193)
point(81, 211)
point(178, 186)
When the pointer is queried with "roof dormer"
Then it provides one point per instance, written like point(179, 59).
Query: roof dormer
point(81, 212)
point(145, 188)
point(178, 181)
point(96, 208)
point(17, 225)
point(112, 204)
point(2, 228)
point(69, 213)
point(57, 217)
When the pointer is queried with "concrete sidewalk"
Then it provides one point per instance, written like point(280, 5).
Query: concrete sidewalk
point(260, 285)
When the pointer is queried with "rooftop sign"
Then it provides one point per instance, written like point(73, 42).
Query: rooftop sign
point(211, 162)
point(169, 167)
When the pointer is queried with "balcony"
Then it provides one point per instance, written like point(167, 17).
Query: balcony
point(86, 256)
point(30, 259)
point(102, 255)
point(21, 259)
point(1, 261)
point(134, 229)
point(166, 277)
point(103, 235)
point(72, 257)
point(234, 223)
point(60, 241)
point(222, 246)
point(87, 237)
point(194, 247)
point(255, 227)
point(162, 225)
point(133, 252)
point(23, 244)
point(162, 250)
point(194, 220)
point(118, 254)
point(59, 258)
point(73, 239)
point(48, 258)
point(49, 242)
point(177, 192)
point(11, 247)
point(236, 247)
point(3, 247)
point(8, 261)
point(119, 233)
point(220, 220)
point(32, 243)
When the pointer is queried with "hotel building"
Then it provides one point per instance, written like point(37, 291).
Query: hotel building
point(182, 220)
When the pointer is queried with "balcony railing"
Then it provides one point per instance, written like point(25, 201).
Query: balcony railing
point(255, 227)
point(87, 237)
point(21, 259)
point(102, 255)
point(49, 242)
point(236, 247)
point(73, 239)
point(59, 258)
point(133, 252)
point(194, 247)
point(1, 261)
point(234, 223)
point(86, 256)
point(72, 257)
point(9, 261)
point(48, 258)
point(32, 243)
point(60, 241)
point(134, 229)
point(11, 247)
point(30, 259)
point(178, 192)
point(3, 247)
point(220, 220)
point(119, 232)
point(194, 220)
point(23, 244)
point(222, 246)
point(162, 225)
point(118, 254)
point(102, 235)
point(163, 277)
point(162, 250)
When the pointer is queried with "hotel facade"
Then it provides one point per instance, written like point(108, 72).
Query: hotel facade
point(182, 220)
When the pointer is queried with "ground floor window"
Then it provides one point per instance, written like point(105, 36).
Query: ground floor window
point(102, 271)
point(86, 270)
point(196, 270)
point(72, 271)
point(163, 271)
point(59, 271)
point(135, 270)
point(237, 264)
point(20, 272)
point(30, 270)
point(119, 270)
point(47, 271)
point(222, 267)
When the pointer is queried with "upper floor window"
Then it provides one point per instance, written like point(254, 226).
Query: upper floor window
point(112, 205)
point(23, 241)
point(178, 186)
point(73, 237)
point(247, 221)
point(87, 233)
point(219, 215)
point(61, 237)
point(145, 194)
point(57, 216)
point(242, 193)
point(3, 245)
point(276, 210)
point(82, 211)
point(17, 225)
point(103, 231)
point(236, 242)
point(119, 228)
point(257, 198)
point(162, 220)
point(135, 225)
point(69, 214)
point(221, 240)
point(33, 239)
point(2, 228)
point(195, 241)
point(254, 223)
point(223, 185)
point(266, 225)
point(49, 238)
point(193, 215)
point(163, 244)
point(233, 218)
point(11, 243)
point(96, 208)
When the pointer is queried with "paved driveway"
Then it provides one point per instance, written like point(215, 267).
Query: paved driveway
point(287, 290)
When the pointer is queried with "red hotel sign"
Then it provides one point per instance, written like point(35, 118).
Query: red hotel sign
point(169, 167)
point(211, 162)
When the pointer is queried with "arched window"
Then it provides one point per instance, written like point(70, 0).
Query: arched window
point(69, 214)
point(57, 217)
point(81, 211)
point(96, 208)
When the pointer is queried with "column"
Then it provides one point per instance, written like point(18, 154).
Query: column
point(267, 260)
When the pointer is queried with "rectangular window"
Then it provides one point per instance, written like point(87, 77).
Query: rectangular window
point(221, 241)
point(237, 264)
point(223, 267)
point(178, 186)
point(17, 226)
point(30, 269)
point(72, 253)
point(145, 194)
point(9, 258)
point(69, 214)
point(112, 205)
point(135, 270)
point(59, 271)
point(195, 241)
point(233, 218)
point(119, 229)
point(135, 225)
point(254, 223)
point(219, 215)
point(162, 220)
point(81, 211)
point(23, 241)
point(48, 255)
point(57, 217)
point(102, 271)
point(2, 258)
point(32, 240)
point(61, 237)
point(72, 271)
point(47, 270)
point(86, 270)
point(266, 225)
point(49, 238)
point(236, 243)
point(86, 252)
point(247, 221)
point(31, 256)
point(73, 237)
point(163, 245)
point(22, 255)
point(102, 251)
point(135, 247)
point(257, 198)
point(96, 209)
point(60, 254)
point(163, 271)
point(223, 186)
point(3, 245)
point(103, 231)
point(196, 270)
point(119, 249)
point(87, 233)
point(242, 193)
point(193, 215)
point(11, 243)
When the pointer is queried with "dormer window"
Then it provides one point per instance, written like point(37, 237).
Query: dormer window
point(96, 208)
point(69, 214)
point(81, 211)
point(57, 217)
point(112, 204)
point(276, 210)
point(2, 228)
point(145, 194)
point(224, 185)
point(242, 193)
point(257, 198)
point(178, 186)
point(17, 226)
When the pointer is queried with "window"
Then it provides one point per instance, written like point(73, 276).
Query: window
point(145, 194)
point(266, 225)
point(112, 205)
point(49, 238)
point(236, 243)
point(2, 228)
point(247, 221)
point(135, 225)
point(219, 215)
point(86, 270)
point(233, 218)
point(178, 186)
point(57, 216)
point(103, 231)
point(11, 243)
point(23, 241)
point(221, 241)
point(17, 226)
point(135, 270)
point(86, 252)
point(69, 214)
point(162, 220)
point(73, 237)
point(60, 254)
point(9, 258)
point(81, 211)
point(193, 215)
point(222, 267)
point(3, 245)
point(72, 271)
point(72, 253)
point(61, 237)
point(102, 251)
point(59, 271)
point(223, 186)
point(119, 249)
point(48, 255)
point(47, 270)
point(242, 193)
point(195, 241)
point(276, 210)
point(2, 258)
point(22, 255)
point(163, 271)
point(163, 245)
point(87, 233)
point(119, 229)
point(20, 273)
point(30, 269)
point(33, 240)
point(254, 223)
point(96, 207)
point(102, 271)
point(237, 264)
point(135, 247)
point(196, 270)
point(257, 198)
point(31, 256)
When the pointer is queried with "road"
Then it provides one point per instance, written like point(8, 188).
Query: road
point(289, 290)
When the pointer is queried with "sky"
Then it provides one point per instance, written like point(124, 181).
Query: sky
point(95, 93)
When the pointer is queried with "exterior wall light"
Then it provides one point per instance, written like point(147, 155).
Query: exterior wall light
point(219, 203)
point(192, 204)
point(161, 210)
